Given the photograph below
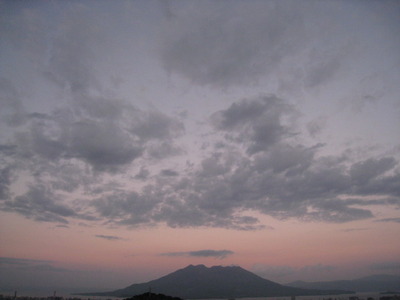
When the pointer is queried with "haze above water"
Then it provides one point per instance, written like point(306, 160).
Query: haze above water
point(138, 137)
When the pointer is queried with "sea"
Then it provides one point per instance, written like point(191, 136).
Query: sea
point(74, 294)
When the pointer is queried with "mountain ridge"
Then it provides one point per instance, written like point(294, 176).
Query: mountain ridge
point(372, 283)
point(201, 282)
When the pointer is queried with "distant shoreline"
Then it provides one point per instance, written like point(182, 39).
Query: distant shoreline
point(8, 295)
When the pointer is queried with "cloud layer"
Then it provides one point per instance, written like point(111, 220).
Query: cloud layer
point(85, 154)
point(256, 164)
point(220, 254)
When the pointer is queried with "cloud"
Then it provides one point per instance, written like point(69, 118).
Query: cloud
point(257, 123)
point(79, 142)
point(156, 125)
point(40, 204)
point(12, 113)
point(369, 169)
point(168, 173)
point(314, 127)
point(5, 181)
point(62, 226)
point(45, 268)
point(262, 168)
point(109, 237)
point(103, 145)
point(253, 41)
point(355, 229)
point(24, 264)
point(90, 140)
point(21, 261)
point(142, 174)
point(220, 254)
point(247, 44)
point(396, 220)
point(128, 208)
point(71, 57)
point(281, 179)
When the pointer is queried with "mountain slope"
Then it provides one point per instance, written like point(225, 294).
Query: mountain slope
point(200, 282)
point(374, 283)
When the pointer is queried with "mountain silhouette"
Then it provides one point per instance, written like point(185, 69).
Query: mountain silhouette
point(200, 282)
point(152, 296)
point(374, 283)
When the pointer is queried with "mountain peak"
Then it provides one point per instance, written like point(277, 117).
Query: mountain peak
point(201, 282)
point(196, 267)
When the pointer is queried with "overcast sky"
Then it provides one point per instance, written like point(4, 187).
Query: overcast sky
point(137, 137)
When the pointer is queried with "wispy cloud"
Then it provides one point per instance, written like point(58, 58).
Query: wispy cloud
point(45, 268)
point(220, 254)
point(395, 220)
point(24, 264)
point(21, 261)
point(109, 237)
point(355, 229)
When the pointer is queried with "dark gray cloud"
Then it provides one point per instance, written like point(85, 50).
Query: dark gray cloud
point(221, 254)
point(369, 169)
point(90, 136)
point(103, 145)
point(12, 112)
point(257, 123)
point(234, 44)
point(321, 68)
point(85, 136)
point(169, 173)
point(40, 204)
point(156, 125)
point(89, 123)
point(274, 175)
point(109, 237)
point(143, 174)
point(224, 46)
point(70, 63)
point(314, 127)
point(128, 208)
point(283, 180)
point(5, 181)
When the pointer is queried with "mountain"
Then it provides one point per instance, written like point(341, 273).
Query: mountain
point(200, 282)
point(374, 283)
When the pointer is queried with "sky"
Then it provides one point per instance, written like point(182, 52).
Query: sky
point(138, 137)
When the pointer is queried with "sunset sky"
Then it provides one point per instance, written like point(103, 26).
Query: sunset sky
point(138, 137)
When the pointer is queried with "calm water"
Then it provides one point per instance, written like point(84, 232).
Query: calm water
point(70, 294)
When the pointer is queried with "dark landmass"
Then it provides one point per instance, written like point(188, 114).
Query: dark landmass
point(152, 296)
point(200, 282)
point(374, 283)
